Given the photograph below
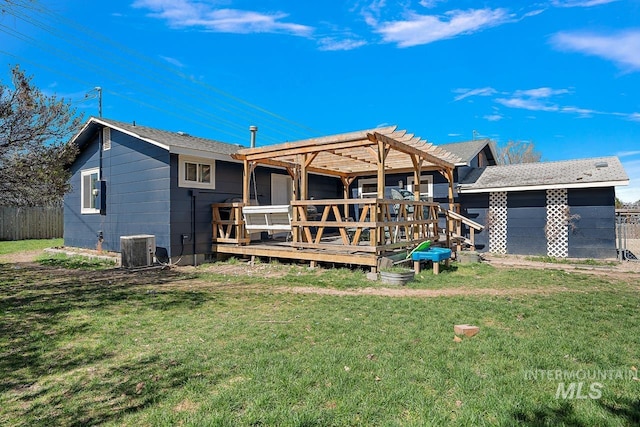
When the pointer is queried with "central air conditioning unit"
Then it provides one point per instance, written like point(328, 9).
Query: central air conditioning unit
point(138, 251)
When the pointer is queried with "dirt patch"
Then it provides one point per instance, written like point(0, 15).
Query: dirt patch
point(420, 293)
point(266, 270)
point(626, 270)
point(21, 257)
point(178, 278)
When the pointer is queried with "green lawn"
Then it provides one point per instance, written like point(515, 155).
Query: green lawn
point(7, 247)
point(82, 347)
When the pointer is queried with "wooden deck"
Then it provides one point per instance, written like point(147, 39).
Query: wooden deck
point(284, 250)
point(380, 227)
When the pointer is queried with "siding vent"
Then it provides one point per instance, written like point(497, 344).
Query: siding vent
point(106, 139)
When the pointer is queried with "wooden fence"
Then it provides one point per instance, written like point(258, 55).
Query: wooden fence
point(31, 223)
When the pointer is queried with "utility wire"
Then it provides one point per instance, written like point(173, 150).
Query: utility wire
point(135, 66)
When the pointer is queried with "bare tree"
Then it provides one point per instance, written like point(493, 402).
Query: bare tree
point(34, 148)
point(518, 152)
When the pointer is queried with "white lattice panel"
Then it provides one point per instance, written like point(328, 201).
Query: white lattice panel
point(498, 222)
point(557, 229)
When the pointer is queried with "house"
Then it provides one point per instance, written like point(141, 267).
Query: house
point(467, 155)
point(130, 180)
point(560, 209)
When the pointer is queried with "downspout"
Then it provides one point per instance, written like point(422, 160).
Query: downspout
point(193, 226)
point(100, 234)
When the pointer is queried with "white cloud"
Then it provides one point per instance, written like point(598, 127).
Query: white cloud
point(541, 92)
point(582, 112)
point(172, 61)
point(538, 99)
point(424, 29)
point(531, 104)
point(371, 12)
point(623, 48)
point(628, 153)
point(533, 13)
point(454, 134)
point(190, 13)
point(330, 43)
point(580, 3)
point(465, 93)
point(430, 4)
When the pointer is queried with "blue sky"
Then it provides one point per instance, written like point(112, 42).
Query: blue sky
point(564, 74)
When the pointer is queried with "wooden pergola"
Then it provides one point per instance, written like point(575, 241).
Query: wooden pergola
point(381, 226)
point(347, 156)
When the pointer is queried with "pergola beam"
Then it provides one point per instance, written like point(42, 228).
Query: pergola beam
point(347, 156)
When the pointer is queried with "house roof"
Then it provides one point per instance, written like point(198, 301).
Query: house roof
point(354, 153)
point(174, 142)
point(466, 151)
point(582, 173)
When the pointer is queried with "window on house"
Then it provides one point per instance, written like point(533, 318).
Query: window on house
point(367, 188)
point(426, 186)
point(196, 173)
point(89, 190)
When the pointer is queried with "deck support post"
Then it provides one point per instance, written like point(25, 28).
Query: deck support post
point(246, 178)
point(346, 182)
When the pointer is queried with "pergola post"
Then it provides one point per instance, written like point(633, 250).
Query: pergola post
point(294, 173)
point(346, 182)
point(417, 172)
point(382, 156)
point(246, 178)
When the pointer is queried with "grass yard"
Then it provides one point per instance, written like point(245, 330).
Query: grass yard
point(294, 347)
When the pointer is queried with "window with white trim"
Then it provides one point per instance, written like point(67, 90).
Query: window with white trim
point(368, 187)
point(89, 191)
point(426, 186)
point(196, 173)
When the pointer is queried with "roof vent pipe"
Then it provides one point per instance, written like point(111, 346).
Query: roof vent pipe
point(253, 130)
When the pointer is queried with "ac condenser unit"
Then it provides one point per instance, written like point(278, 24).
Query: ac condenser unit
point(137, 251)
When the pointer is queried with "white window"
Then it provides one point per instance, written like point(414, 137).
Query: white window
point(196, 173)
point(106, 139)
point(89, 189)
point(367, 188)
point(426, 186)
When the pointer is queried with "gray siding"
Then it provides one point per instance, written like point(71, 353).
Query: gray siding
point(526, 220)
point(137, 187)
point(592, 228)
point(476, 207)
point(228, 186)
point(191, 208)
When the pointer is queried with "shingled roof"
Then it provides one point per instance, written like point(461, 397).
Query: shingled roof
point(466, 151)
point(174, 142)
point(582, 173)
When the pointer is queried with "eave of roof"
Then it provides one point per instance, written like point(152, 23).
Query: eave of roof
point(468, 150)
point(581, 173)
point(173, 142)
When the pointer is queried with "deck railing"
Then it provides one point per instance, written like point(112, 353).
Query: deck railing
point(377, 225)
point(457, 234)
point(228, 223)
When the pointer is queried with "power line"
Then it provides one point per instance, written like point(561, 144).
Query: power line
point(236, 106)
